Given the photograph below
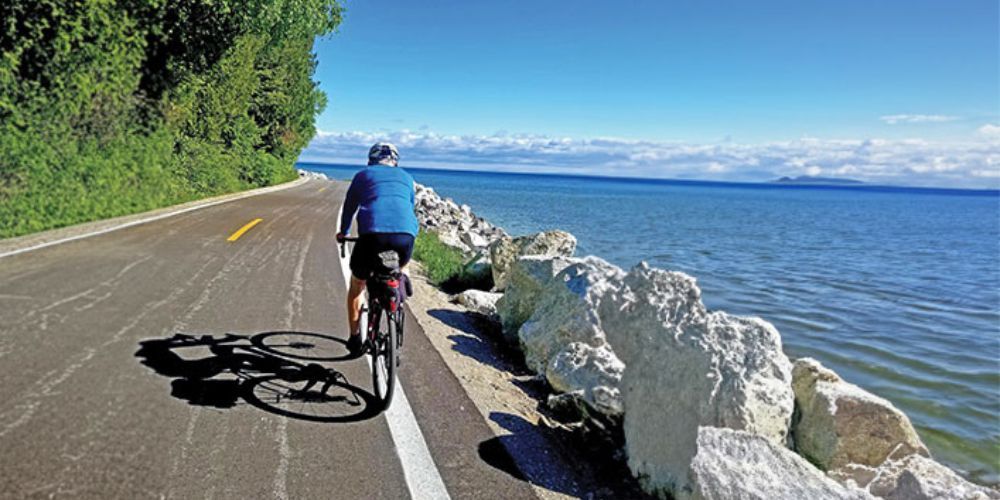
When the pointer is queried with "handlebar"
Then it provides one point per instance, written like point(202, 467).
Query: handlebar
point(343, 245)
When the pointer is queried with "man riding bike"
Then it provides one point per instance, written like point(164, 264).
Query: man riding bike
point(383, 196)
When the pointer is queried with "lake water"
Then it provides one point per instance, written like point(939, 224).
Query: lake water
point(897, 289)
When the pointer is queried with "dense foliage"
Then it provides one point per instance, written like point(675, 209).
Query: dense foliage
point(110, 107)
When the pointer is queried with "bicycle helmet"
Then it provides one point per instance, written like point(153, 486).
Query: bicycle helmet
point(383, 153)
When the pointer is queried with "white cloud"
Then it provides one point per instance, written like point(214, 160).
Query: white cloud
point(908, 161)
point(990, 131)
point(995, 173)
point(716, 167)
point(894, 119)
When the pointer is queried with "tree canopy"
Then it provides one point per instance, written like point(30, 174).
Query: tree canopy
point(115, 106)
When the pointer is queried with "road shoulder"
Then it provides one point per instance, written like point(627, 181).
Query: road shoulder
point(506, 396)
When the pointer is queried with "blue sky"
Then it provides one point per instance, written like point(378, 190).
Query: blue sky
point(657, 88)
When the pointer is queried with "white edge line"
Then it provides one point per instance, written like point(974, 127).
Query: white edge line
point(421, 474)
point(150, 219)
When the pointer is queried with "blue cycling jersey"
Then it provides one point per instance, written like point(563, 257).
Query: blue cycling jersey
point(383, 198)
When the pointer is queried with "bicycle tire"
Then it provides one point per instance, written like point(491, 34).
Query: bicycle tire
point(383, 353)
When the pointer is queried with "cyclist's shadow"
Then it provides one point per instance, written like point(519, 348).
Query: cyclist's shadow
point(278, 372)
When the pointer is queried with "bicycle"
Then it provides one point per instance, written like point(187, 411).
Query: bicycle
point(382, 320)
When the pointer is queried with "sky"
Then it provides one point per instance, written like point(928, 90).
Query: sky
point(894, 92)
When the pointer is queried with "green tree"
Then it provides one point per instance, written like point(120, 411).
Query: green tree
point(116, 106)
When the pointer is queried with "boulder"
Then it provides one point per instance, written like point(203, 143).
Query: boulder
point(840, 423)
point(591, 373)
point(526, 278)
point(562, 337)
point(854, 475)
point(505, 251)
point(474, 240)
point(917, 477)
point(566, 310)
point(687, 368)
point(732, 464)
point(311, 174)
point(454, 240)
point(478, 301)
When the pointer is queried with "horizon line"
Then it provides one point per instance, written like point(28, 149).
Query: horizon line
point(857, 186)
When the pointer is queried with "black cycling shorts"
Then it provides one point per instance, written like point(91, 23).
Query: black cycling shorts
point(365, 259)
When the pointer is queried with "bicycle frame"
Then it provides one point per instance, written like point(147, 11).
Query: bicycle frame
point(382, 297)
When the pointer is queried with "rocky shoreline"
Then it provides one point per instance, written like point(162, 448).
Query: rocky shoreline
point(710, 405)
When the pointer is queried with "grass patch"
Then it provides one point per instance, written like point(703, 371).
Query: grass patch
point(447, 267)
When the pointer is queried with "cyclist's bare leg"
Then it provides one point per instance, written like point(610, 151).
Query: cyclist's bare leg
point(355, 297)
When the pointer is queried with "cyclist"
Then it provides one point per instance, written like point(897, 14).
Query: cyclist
point(383, 197)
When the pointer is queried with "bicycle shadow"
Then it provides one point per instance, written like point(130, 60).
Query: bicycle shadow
point(278, 372)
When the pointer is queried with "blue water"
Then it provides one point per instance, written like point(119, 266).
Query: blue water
point(897, 289)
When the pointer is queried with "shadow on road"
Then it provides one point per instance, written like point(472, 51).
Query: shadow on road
point(278, 372)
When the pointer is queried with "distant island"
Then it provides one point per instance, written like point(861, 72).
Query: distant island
point(808, 179)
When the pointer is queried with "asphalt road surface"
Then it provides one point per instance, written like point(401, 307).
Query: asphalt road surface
point(153, 361)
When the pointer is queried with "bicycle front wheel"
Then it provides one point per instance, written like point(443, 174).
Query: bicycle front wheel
point(383, 354)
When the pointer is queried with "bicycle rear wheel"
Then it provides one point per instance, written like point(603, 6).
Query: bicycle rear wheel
point(383, 352)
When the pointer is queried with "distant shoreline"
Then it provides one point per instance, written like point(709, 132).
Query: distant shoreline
point(818, 181)
point(693, 182)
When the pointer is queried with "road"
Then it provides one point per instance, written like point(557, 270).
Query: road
point(129, 368)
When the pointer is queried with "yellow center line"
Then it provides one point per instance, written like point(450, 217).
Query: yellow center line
point(321, 189)
point(235, 236)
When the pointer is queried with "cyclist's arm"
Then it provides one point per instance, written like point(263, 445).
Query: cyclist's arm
point(351, 202)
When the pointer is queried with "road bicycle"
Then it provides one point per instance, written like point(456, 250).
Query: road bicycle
point(382, 320)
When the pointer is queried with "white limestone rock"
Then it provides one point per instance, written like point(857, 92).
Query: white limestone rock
point(527, 277)
point(312, 175)
point(916, 477)
point(505, 251)
point(566, 310)
point(591, 373)
point(478, 301)
point(840, 423)
point(731, 464)
point(456, 226)
point(562, 339)
point(453, 239)
point(687, 368)
point(854, 475)
point(474, 240)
